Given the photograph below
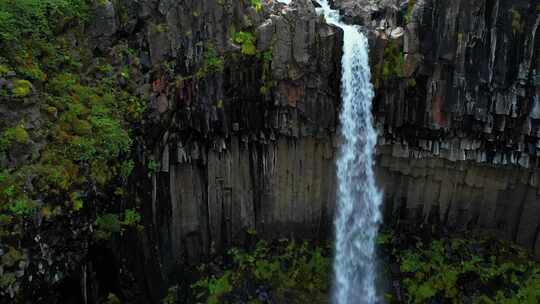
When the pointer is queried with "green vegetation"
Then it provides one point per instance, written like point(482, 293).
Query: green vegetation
point(213, 63)
point(393, 61)
point(267, 81)
point(518, 24)
point(256, 4)
point(86, 134)
point(109, 224)
point(410, 9)
point(451, 270)
point(172, 296)
point(16, 134)
point(28, 29)
point(21, 88)
point(290, 272)
point(247, 41)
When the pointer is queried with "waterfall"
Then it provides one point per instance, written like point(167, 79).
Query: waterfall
point(358, 199)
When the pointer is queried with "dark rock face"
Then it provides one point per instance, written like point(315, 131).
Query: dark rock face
point(457, 96)
point(455, 106)
point(240, 136)
point(249, 147)
point(466, 89)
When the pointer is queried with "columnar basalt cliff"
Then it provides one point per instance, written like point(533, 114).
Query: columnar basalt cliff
point(239, 133)
point(240, 136)
point(457, 107)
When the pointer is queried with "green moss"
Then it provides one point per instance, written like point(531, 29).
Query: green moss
point(410, 9)
point(11, 257)
point(131, 218)
point(87, 127)
point(3, 70)
point(247, 42)
point(106, 226)
point(28, 29)
point(16, 134)
point(20, 135)
point(440, 270)
point(393, 61)
point(518, 25)
point(51, 110)
point(268, 83)
point(82, 127)
point(257, 5)
point(300, 271)
point(102, 2)
point(21, 88)
point(22, 207)
point(213, 63)
point(159, 28)
point(172, 296)
point(113, 299)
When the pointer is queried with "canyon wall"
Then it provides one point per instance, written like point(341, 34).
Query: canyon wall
point(457, 108)
point(239, 136)
point(247, 148)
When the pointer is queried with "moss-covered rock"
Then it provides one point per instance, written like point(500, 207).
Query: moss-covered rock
point(21, 88)
point(20, 135)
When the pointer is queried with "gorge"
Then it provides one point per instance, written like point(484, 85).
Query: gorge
point(142, 138)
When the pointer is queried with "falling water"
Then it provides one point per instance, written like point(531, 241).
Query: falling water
point(358, 202)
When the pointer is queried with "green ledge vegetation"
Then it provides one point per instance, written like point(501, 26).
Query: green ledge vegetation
point(247, 41)
point(282, 272)
point(391, 66)
point(394, 61)
point(457, 269)
point(212, 63)
point(410, 9)
point(461, 269)
point(86, 135)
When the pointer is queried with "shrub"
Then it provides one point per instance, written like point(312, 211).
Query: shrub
point(22, 207)
point(394, 61)
point(247, 42)
point(256, 4)
point(212, 63)
point(450, 270)
point(16, 134)
point(131, 218)
point(410, 9)
point(21, 88)
point(283, 267)
point(106, 225)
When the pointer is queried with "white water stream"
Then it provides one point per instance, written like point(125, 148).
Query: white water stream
point(358, 199)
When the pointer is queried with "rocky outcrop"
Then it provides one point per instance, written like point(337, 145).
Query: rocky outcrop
point(456, 99)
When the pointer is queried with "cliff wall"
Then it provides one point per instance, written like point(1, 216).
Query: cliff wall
point(239, 135)
point(456, 107)
point(457, 102)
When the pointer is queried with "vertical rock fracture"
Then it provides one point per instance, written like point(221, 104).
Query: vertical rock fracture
point(358, 207)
